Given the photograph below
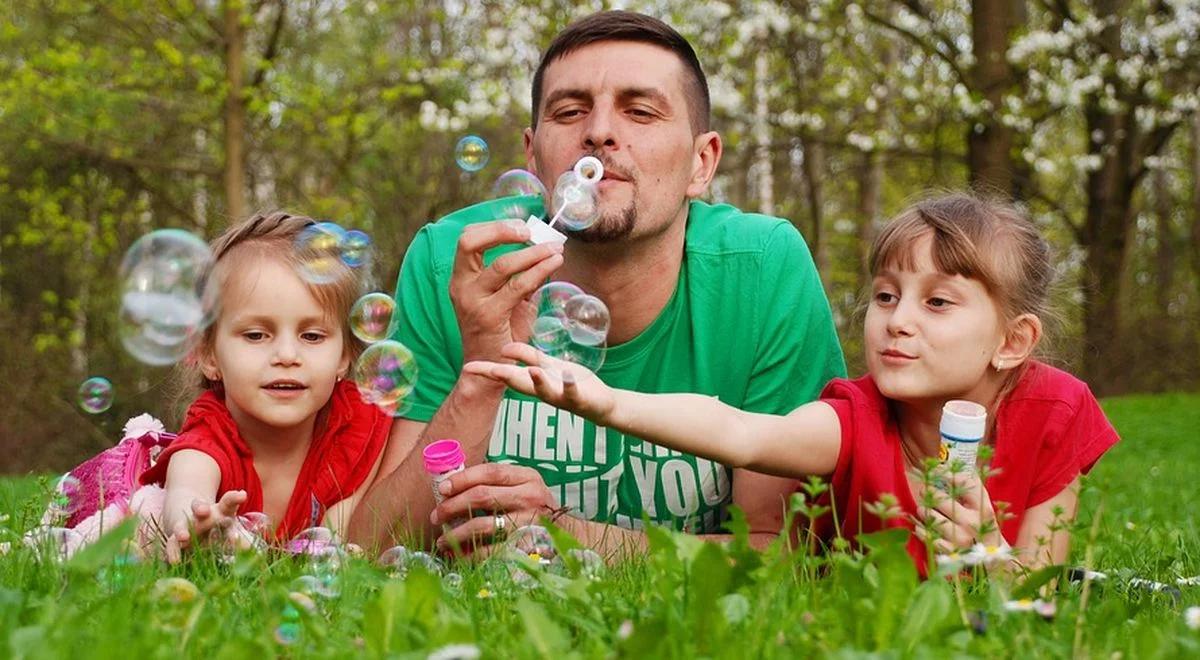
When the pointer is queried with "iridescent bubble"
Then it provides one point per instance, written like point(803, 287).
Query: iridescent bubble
point(288, 631)
point(393, 557)
point(551, 299)
point(587, 320)
point(518, 182)
point(95, 395)
point(319, 251)
point(386, 374)
point(64, 500)
point(356, 248)
point(324, 585)
point(533, 541)
point(401, 560)
point(313, 542)
point(175, 591)
point(453, 581)
point(471, 153)
point(591, 357)
point(371, 317)
point(576, 204)
point(165, 300)
point(256, 522)
point(591, 565)
point(550, 334)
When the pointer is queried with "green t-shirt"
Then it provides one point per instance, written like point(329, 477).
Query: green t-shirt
point(748, 323)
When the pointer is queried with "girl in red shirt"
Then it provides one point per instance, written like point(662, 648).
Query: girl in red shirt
point(277, 429)
point(959, 289)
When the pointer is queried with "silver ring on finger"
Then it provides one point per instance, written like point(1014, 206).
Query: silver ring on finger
point(499, 525)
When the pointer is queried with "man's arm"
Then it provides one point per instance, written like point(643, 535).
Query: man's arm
point(398, 504)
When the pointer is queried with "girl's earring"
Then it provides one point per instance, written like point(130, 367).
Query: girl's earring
point(999, 365)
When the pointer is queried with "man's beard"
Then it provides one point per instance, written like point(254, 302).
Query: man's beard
point(609, 228)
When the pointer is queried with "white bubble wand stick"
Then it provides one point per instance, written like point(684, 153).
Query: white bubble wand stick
point(589, 170)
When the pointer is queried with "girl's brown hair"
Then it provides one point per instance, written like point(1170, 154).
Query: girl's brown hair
point(272, 236)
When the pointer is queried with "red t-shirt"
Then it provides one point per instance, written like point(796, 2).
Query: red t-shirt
point(343, 452)
point(1048, 430)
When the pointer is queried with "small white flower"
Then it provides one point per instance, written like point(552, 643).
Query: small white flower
point(625, 630)
point(1045, 608)
point(989, 555)
point(144, 423)
point(1188, 582)
point(1022, 605)
point(951, 562)
point(1191, 616)
point(1129, 525)
point(5, 548)
point(456, 652)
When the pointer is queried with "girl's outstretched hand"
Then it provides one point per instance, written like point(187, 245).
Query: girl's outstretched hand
point(204, 518)
point(562, 384)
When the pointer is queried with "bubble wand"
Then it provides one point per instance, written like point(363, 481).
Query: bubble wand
point(588, 171)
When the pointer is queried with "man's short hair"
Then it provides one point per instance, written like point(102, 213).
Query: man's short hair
point(618, 25)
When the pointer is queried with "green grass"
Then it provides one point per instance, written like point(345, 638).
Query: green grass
point(683, 598)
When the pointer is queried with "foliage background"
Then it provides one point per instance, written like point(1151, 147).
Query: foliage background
point(122, 116)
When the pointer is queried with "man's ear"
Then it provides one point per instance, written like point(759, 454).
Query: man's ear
point(530, 158)
point(706, 155)
point(1021, 336)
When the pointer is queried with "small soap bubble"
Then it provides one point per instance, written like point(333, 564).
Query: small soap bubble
point(175, 591)
point(551, 299)
point(313, 542)
point(518, 182)
point(386, 374)
point(576, 204)
point(96, 395)
point(356, 248)
point(591, 357)
point(453, 582)
point(165, 300)
point(319, 251)
point(324, 585)
point(591, 565)
point(533, 541)
point(64, 500)
point(587, 320)
point(371, 317)
point(471, 153)
point(288, 632)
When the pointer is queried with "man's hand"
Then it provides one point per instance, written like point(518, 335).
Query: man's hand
point(491, 303)
point(492, 489)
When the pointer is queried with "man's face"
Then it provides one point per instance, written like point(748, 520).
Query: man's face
point(623, 102)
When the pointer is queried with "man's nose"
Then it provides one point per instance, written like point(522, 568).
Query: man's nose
point(600, 130)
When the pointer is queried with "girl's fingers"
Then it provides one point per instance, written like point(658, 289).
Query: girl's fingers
point(546, 388)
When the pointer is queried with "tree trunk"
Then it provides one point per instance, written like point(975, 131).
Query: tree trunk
point(1195, 251)
point(870, 198)
point(235, 111)
point(989, 149)
point(814, 173)
point(764, 176)
point(1164, 253)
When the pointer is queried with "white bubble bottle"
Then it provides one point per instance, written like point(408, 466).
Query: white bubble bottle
point(442, 459)
point(962, 428)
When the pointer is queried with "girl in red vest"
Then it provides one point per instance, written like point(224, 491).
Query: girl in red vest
point(277, 428)
point(958, 294)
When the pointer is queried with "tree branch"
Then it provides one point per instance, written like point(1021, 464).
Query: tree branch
point(923, 45)
point(272, 47)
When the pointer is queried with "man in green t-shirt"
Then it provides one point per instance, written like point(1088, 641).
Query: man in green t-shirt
point(703, 299)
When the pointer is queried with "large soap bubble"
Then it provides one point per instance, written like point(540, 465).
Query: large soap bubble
point(319, 249)
point(587, 320)
point(576, 202)
point(386, 374)
point(95, 395)
point(471, 153)
point(166, 301)
point(518, 182)
point(371, 317)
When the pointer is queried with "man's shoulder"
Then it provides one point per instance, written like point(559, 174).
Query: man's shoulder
point(724, 229)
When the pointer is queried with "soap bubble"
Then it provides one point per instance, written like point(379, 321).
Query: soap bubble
point(355, 248)
point(96, 395)
point(371, 317)
point(323, 586)
point(165, 303)
point(576, 204)
point(591, 565)
point(401, 560)
point(453, 582)
point(471, 153)
point(175, 591)
point(550, 334)
point(591, 357)
point(587, 320)
point(313, 542)
point(386, 374)
point(319, 250)
point(518, 182)
point(552, 298)
point(534, 541)
point(64, 501)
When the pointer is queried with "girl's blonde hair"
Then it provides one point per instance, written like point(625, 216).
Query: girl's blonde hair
point(272, 236)
point(982, 238)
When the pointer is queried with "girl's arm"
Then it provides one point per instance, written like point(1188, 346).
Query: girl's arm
point(805, 442)
point(191, 486)
point(337, 517)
